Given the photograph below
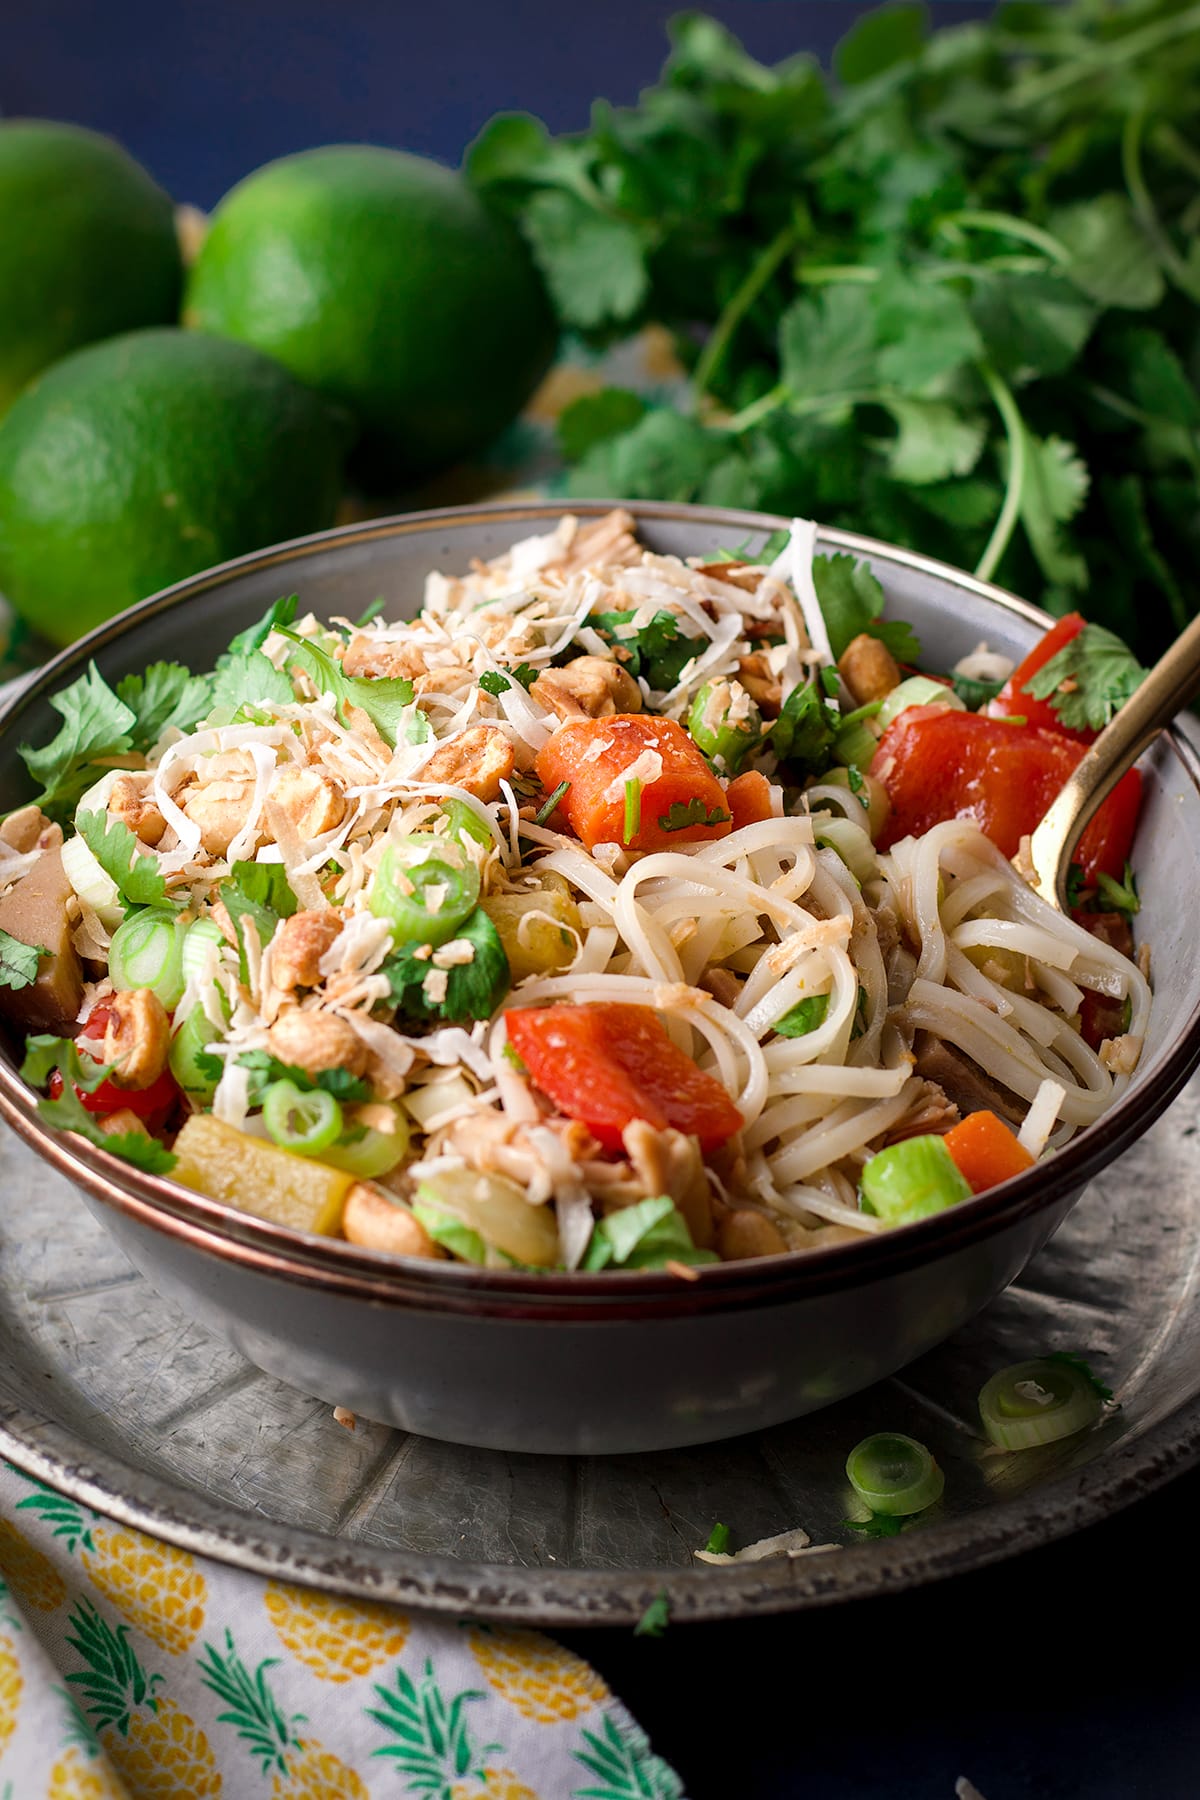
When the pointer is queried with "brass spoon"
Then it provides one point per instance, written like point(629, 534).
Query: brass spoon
point(1171, 684)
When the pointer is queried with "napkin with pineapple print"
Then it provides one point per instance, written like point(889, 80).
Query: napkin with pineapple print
point(132, 1670)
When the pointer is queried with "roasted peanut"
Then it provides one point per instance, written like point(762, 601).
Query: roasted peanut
point(590, 687)
point(745, 1233)
point(369, 1218)
point(298, 946)
point(478, 760)
point(763, 687)
point(130, 801)
point(137, 1037)
point(317, 1040)
point(868, 669)
point(220, 804)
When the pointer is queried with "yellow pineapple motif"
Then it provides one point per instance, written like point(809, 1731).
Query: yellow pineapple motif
point(164, 1757)
point(499, 1784)
point(336, 1639)
point(538, 1677)
point(317, 1774)
point(72, 1778)
point(10, 1692)
point(32, 1576)
point(155, 1586)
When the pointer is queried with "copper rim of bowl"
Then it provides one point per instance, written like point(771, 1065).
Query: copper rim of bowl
point(333, 1264)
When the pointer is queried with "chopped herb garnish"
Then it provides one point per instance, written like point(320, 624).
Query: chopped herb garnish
point(804, 1017)
point(658, 652)
point(473, 990)
point(18, 961)
point(1088, 679)
point(68, 1113)
point(546, 812)
point(525, 673)
point(974, 693)
point(266, 1069)
point(492, 682)
point(370, 612)
point(656, 1618)
point(807, 727)
point(857, 781)
point(678, 816)
point(633, 812)
point(261, 893)
point(879, 1525)
point(97, 728)
point(1076, 887)
point(387, 701)
point(1074, 1361)
point(719, 1540)
point(851, 603)
point(1119, 896)
point(124, 860)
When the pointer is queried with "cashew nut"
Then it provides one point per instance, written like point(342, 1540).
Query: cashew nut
point(478, 760)
point(220, 804)
point(310, 802)
point(746, 1233)
point(298, 946)
point(590, 687)
point(374, 656)
point(137, 1037)
point(130, 802)
point(317, 1040)
point(377, 1223)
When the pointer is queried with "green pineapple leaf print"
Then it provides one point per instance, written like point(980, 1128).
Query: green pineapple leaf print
point(253, 1708)
point(65, 1517)
point(114, 1682)
point(79, 1730)
point(435, 1748)
point(625, 1766)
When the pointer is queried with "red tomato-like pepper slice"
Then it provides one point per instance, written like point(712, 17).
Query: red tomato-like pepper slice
point(1012, 700)
point(151, 1104)
point(937, 764)
point(598, 756)
point(748, 798)
point(607, 1064)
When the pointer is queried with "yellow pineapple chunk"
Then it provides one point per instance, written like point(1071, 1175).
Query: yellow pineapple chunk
point(537, 928)
point(226, 1164)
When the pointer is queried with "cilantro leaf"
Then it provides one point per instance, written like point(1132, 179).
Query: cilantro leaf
point(280, 613)
point(492, 682)
point(679, 815)
point(164, 695)
point(851, 601)
point(1102, 673)
point(973, 692)
point(1055, 487)
point(249, 677)
point(473, 990)
point(387, 701)
point(19, 961)
point(827, 346)
point(98, 726)
point(933, 441)
point(593, 418)
point(124, 860)
point(1111, 259)
point(656, 1618)
point(42, 1052)
point(659, 651)
point(265, 1069)
point(261, 893)
point(594, 263)
point(804, 1017)
point(526, 674)
point(806, 729)
point(68, 1113)
point(372, 611)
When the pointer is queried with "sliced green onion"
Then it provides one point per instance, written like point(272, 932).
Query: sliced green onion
point(917, 690)
point(466, 822)
point(367, 1152)
point(725, 726)
point(304, 1121)
point(193, 1037)
point(851, 842)
point(854, 744)
point(201, 939)
point(1037, 1403)
point(633, 810)
point(425, 897)
point(546, 811)
point(912, 1180)
point(894, 1474)
point(147, 952)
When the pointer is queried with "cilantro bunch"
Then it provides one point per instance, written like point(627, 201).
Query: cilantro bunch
point(950, 299)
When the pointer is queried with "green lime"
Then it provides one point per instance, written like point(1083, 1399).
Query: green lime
point(383, 280)
point(139, 461)
point(87, 247)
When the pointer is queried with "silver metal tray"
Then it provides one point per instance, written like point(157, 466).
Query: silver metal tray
point(116, 1397)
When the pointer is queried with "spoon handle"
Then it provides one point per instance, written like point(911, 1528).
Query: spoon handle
point(1171, 683)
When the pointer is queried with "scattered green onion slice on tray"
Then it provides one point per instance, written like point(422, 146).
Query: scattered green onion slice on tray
point(1037, 1403)
point(894, 1474)
point(305, 1123)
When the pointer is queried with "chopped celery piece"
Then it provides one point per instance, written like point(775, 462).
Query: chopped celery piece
point(147, 952)
point(912, 1180)
point(725, 725)
point(186, 1058)
point(917, 690)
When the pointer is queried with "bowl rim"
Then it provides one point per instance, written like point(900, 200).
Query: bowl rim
point(226, 1232)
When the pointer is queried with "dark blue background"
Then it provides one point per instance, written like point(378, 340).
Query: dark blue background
point(1072, 1673)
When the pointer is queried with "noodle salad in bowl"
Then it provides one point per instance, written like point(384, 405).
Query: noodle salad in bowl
point(616, 911)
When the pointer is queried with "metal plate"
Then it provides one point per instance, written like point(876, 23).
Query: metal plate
point(115, 1396)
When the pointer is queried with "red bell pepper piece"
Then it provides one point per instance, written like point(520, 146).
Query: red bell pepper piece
point(938, 764)
point(597, 756)
point(607, 1064)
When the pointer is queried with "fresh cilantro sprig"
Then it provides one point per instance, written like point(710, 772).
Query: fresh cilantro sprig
point(387, 701)
point(261, 894)
point(1089, 679)
point(19, 961)
point(265, 1069)
point(134, 869)
point(680, 814)
point(473, 990)
point(945, 297)
point(807, 727)
point(658, 651)
point(68, 1113)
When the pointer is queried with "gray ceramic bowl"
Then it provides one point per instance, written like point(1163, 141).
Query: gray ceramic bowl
point(615, 1362)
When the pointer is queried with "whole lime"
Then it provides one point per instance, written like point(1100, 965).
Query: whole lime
point(384, 280)
point(136, 462)
point(87, 247)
